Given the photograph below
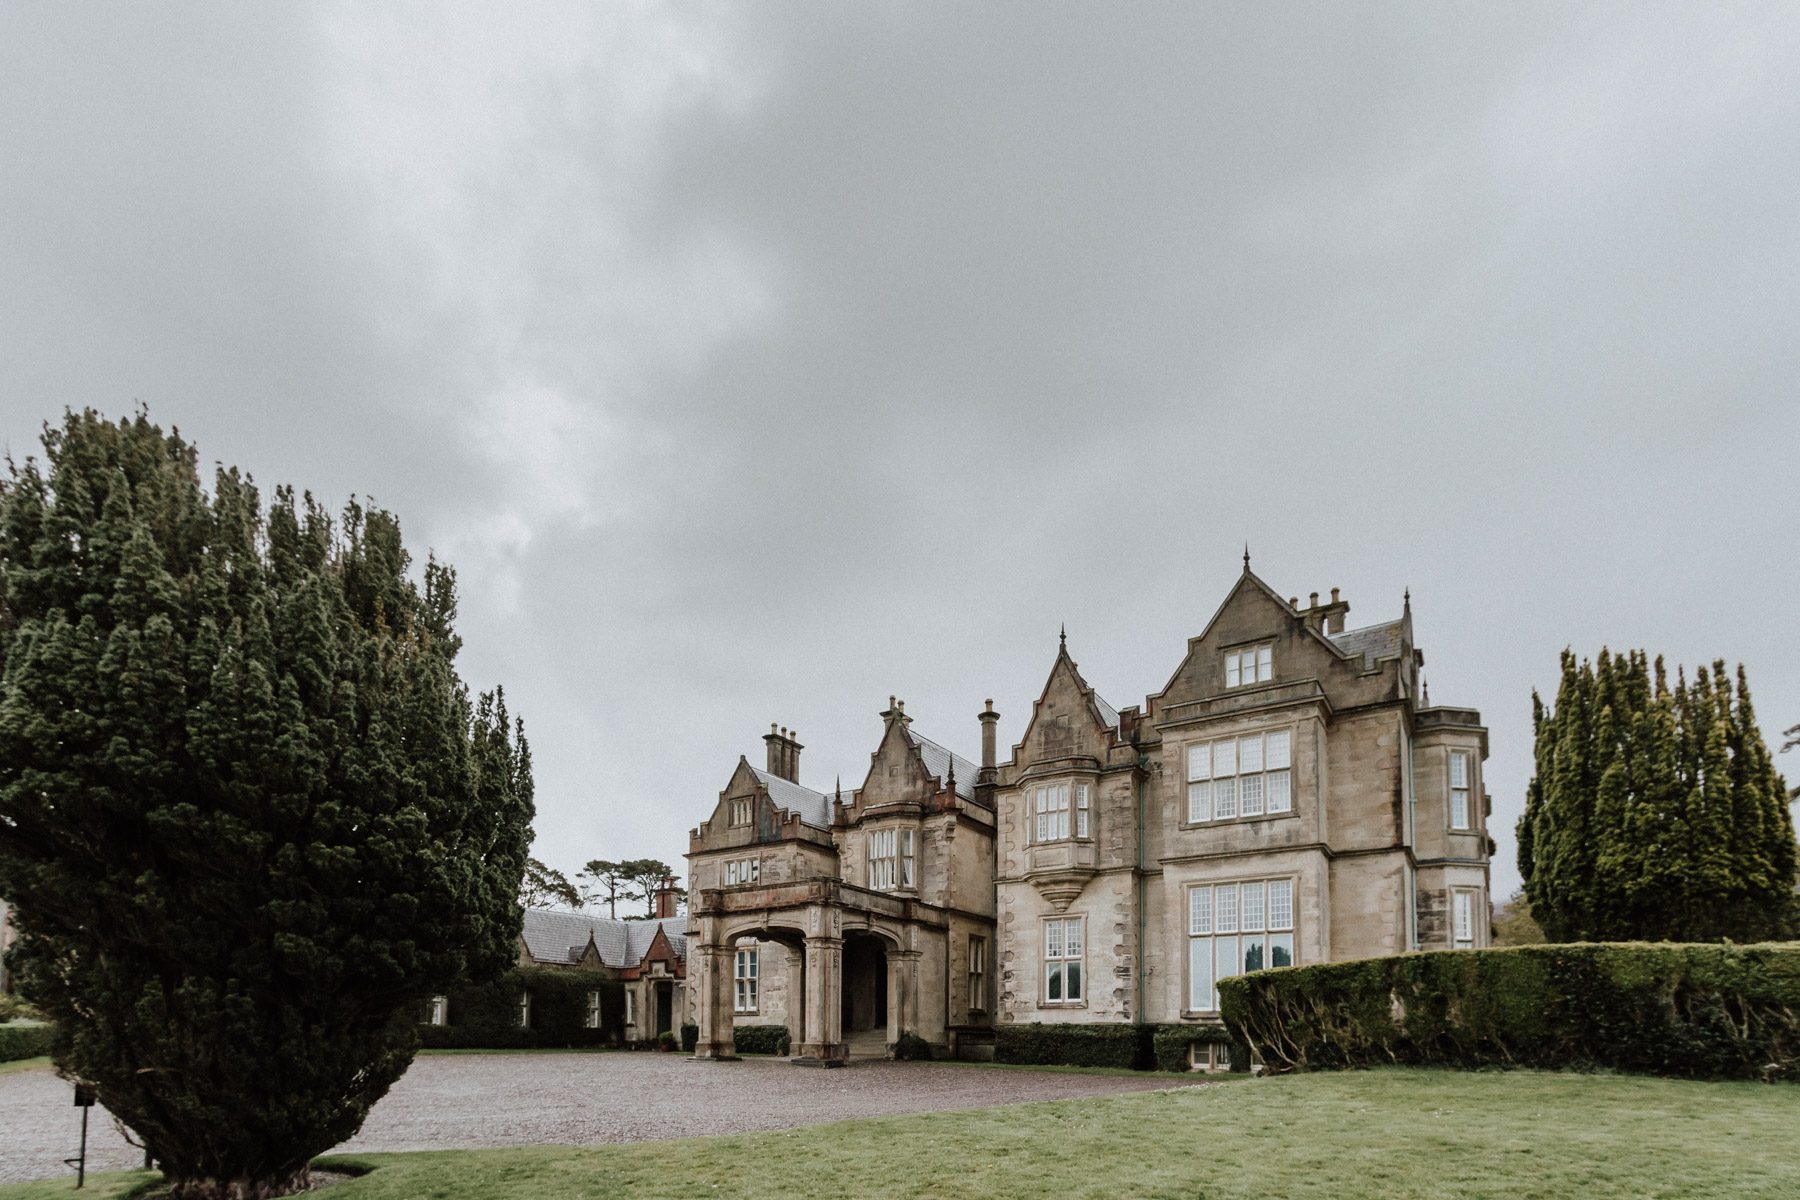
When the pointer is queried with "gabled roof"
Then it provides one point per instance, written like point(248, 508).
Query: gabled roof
point(938, 761)
point(1108, 713)
point(814, 808)
point(1372, 643)
point(562, 937)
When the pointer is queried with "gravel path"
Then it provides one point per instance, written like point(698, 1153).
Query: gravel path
point(473, 1100)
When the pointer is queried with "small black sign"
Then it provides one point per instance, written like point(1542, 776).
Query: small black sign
point(84, 1095)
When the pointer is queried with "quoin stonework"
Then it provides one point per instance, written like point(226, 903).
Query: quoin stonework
point(1291, 796)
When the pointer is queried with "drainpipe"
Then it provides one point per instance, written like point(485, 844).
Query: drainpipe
point(1140, 890)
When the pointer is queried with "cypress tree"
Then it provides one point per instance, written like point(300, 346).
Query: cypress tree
point(1655, 814)
point(249, 815)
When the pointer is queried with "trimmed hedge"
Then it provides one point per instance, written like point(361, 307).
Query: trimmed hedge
point(912, 1048)
point(1172, 1042)
point(756, 1039)
point(487, 1018)
point(1058, 1045)
point(24, 1039)
point(1695, 1011)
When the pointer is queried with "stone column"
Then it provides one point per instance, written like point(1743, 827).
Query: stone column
point(823, 1040)
point(716, 1040)
point(903, 995)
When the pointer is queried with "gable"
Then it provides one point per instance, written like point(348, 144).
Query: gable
point(1250, 615)
point(897, 773)
point(1068, 719)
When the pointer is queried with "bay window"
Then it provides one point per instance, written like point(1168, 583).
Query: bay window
point(1234, 928)
point(1053, 810)
point(1062, 960)
point(891, 859)
point(1241, 777)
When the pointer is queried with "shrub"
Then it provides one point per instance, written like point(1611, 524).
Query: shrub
point(24, 1039)
point(487, 1017)
point(14, 1009)
point(912, 1048)
point(666, 1040)
point(1127, 1046)
point(690, 1037)
point(1701, 1011)
point(759, 1039)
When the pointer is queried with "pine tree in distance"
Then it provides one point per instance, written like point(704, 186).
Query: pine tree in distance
point(1655, 813)
point(249, 815)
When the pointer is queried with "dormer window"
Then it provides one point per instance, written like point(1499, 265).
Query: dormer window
point(1255, 664)
point(1052, 802)
point(742, 811)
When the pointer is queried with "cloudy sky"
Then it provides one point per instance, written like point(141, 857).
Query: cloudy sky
point(753, 363)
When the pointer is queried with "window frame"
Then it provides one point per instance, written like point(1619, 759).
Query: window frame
point(1057, 971)
point(593, 1010)
point(746, 974)
point(742, 812)
point(1261, 656)
point(525, 1008)
point(741, 871)
point(630, 1007)
point(893, 858)
point(439, 1011)
point(1059, 811)
point(1204, 794)
point(1466, 792)
point(1462, 919)
point(1213, 923)
point(978, 954)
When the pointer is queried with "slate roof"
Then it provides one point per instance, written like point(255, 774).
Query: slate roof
point(562, 937)
point(814, 807)
point(938, 760)
point(1108, 713)
point(1372, 642)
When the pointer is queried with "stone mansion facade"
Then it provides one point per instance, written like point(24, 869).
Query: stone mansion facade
point(1289, 797)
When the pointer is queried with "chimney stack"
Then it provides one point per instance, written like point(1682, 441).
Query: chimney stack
point(988, 720)
point(665, 898)
point(784, 753)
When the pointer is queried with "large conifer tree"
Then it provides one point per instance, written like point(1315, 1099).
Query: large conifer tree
point(249, 816)
point(1655, 812)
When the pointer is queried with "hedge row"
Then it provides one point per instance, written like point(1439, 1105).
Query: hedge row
point(1704, 1011)
point(487, 1017)
point(24, 1039)
point(758, 1039)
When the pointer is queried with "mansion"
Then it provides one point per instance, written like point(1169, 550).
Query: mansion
point(1289, 797)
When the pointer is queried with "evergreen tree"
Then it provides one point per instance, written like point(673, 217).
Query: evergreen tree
point(249, 815)
point(1654, 813)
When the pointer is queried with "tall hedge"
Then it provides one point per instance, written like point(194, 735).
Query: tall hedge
point(24, 1039)
point(487, 1017)
point(1697, 1011)
point(1655, 812)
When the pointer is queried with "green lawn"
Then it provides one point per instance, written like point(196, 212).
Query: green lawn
point(1351, 1136)
point(41, 1063)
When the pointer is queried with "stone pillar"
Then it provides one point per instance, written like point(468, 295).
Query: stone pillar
point(716, 1040)
point(903, 995)
point(824, 1002)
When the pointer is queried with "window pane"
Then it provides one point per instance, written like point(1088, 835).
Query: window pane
point(1072, 938)
point(1225, 958)
point(1281, 949)
point(1062, 821)
point(1200, 801)
point(1062, 798)
point(1278, 750)
point(1199, 762)
point(1225, 908)
point(1265, 662)
point(1053, 981)
point(1043, 827)
point(1200, 979)
point(1459, 769)
point(1250, 754)
point(1224, 759)
point(1224, 798)
point(1280, 796)
point(1081, 828)
point(1074, 981)
point(1081, 795)
point(1200, 910)
point(1459, 809)
point(1043, 799)
point(1251, 917)
point(1053, 939)
point(1253, 954)
point(1231, 670)
point(1464, 926)
point(1281, 904)
point(1250, 795)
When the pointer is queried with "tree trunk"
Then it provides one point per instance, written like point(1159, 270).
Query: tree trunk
point(203, 1188)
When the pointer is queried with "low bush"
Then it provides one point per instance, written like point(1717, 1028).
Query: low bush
point(912, 1048)
point(690, 1037)
point(14, 1009)
point(1698, 1011)
point(24, 1039)
point(759, 1039)
point(1124, 1046)
point(487, 1018)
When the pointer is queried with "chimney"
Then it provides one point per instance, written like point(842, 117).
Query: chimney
point(665, 898)
point(988, 720)
point(784, 753)
point(1326, 618)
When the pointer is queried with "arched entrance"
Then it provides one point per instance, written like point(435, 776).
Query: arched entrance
point(865, 1003)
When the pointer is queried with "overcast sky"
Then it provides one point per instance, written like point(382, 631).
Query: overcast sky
point(753, 363)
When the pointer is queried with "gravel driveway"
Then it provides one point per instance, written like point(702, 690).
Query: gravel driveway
point(469, 1100)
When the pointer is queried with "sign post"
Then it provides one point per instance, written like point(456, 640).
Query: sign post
point(84, 1100)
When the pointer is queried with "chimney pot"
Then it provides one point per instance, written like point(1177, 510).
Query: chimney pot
point(1334, 595)
point(1315, 600)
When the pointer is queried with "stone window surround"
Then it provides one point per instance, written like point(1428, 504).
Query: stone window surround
point(1470, 758)
point(1043, 964)
point(1181, 764)
point(1027, 803)
point(1262, 652)
point(1293, 927)
point(746, 973)
point(741, 812)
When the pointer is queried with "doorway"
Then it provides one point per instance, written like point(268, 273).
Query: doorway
point(665, 1007)
point(865, 984)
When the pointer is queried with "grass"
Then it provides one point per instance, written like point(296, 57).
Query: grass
point(41, 1063)
point(1393, 1133)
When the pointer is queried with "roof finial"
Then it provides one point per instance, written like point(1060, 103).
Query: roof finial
point(1406, 604)
point(1425, 686)
point(1246, 556)
point(1063, 637)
